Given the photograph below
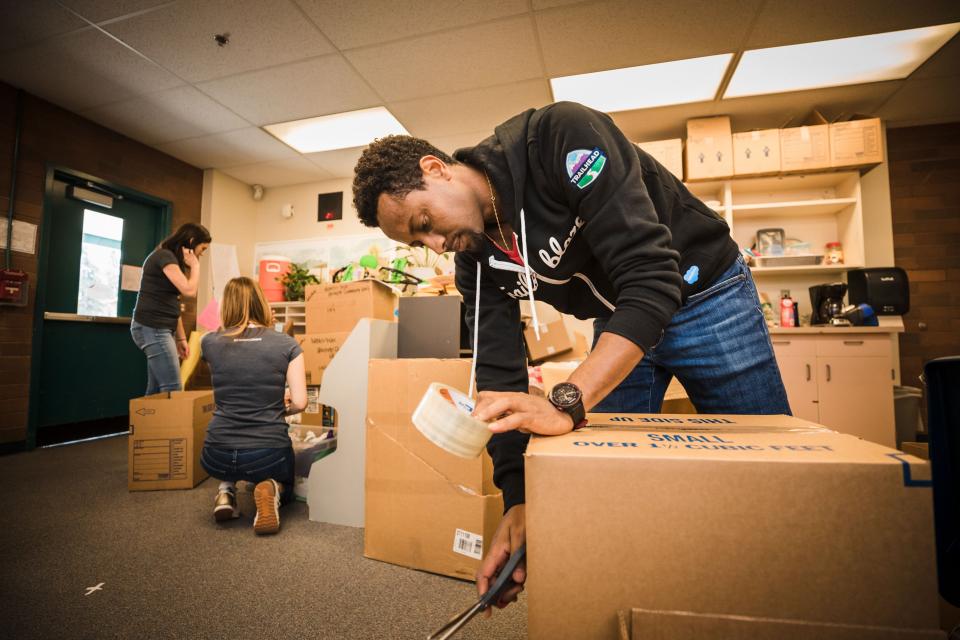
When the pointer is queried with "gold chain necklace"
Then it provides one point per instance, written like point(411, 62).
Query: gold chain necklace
point(493, 201)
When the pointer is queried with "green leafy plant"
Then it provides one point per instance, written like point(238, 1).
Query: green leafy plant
point(420, 256)
point(295, 280)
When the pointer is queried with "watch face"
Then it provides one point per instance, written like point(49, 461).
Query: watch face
point(565, 394)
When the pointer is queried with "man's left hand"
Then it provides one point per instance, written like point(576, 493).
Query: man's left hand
point(506, 411)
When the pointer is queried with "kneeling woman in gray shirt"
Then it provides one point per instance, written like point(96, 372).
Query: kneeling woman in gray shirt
point(247, 437)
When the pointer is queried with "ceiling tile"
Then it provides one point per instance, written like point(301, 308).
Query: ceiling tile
point(485, 55)
point(600, 36)
point(945, 62)
point(29, 21)
point(279, 172)
point(357, 23)
point(939, 97)
point(230, 149)
point(83, 70)
point(165, 116)
point(782, 23)
point(299, 90)
point(339, 163)
point(477, 110)
point(100, 10)
point(262, 34)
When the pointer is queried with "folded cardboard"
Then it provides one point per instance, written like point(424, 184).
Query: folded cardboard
point(709, 148)
point(806, 147)
point(641, 624)
point(669, 153)
point(425, 508)
point(167, 431)
point(335, 308)
point(318, 350)
point(553, 340)
point(756, 152)
point(763, 516)
point(919, 449)
point(856, 141)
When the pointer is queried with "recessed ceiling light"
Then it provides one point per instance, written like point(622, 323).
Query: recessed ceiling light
point(337, 131)
point(831, 63)
point(652, 85)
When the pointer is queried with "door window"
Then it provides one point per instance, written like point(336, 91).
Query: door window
point(100, 254)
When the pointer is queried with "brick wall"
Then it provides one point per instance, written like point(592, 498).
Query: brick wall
point(925, 194)
point(50, 134)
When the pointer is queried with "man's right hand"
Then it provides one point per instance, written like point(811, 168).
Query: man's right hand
point(509, 537)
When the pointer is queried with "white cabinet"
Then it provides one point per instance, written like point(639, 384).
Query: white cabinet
point(840, 380)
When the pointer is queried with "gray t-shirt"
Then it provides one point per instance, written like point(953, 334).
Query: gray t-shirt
point(249, 371)
point(158, 302)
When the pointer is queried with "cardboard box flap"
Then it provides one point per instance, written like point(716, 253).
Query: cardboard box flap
point(747, 439)
point(813, 119)
point(642, 624)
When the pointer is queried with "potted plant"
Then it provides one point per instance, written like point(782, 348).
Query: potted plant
point(295, 280)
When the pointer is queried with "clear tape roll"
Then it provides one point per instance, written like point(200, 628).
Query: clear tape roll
point(443, 417)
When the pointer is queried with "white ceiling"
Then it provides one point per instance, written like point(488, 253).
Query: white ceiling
point(448, 70)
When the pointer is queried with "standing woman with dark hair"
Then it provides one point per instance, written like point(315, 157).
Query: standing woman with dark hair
point(170, 271)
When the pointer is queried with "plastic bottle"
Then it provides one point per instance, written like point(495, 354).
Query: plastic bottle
point(787, 317)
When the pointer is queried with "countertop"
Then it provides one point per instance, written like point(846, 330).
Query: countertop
point(888, 324)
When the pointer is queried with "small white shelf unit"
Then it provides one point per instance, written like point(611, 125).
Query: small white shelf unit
point(296, 311)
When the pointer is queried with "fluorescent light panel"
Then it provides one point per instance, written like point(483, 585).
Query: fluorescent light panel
point(831, 63)
point(652, 85)
point(337, 131)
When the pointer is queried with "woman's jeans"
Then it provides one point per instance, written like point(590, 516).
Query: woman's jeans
point(163, 365)
point(252, 465)
point(718, 347)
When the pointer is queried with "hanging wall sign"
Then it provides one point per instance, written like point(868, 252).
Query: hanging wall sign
point(330, 206)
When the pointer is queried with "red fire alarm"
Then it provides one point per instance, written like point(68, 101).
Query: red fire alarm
point(13, 287)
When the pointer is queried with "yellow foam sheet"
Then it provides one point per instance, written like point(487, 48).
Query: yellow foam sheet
point(188, 366)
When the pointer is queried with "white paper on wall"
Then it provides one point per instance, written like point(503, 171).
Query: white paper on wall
point(223, 267)
point(24, 236)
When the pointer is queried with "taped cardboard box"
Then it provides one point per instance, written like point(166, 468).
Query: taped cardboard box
point(669, 153)
point(425, 508)
point(806, 147)
point(856, 141)
point(318, 350)
point(761, 516)
point(336, 308)
point(709, 148)
point(553, 341)
point(167, 431)
point(756, 152)
point(641, 624)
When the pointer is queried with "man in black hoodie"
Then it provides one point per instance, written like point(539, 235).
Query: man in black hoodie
point(559, 206)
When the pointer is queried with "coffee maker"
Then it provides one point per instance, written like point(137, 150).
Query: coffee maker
point(826, 301)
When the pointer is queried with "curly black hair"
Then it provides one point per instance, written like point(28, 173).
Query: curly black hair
point(389, 165)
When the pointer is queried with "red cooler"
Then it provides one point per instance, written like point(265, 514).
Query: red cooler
point(272, 269)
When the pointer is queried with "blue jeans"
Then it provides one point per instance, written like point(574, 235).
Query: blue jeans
point(252, 465)
point(718, 347)
point(163, 364)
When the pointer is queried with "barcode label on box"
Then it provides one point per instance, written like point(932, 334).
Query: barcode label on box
point(468, 544)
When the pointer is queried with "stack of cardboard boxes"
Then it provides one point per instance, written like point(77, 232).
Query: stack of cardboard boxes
point(713, 151)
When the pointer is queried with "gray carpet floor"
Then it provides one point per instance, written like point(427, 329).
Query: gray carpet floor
point(169, 571)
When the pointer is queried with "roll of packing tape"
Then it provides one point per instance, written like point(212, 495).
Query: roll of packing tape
point(443, 417)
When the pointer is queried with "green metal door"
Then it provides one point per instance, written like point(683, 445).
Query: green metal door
point(95, 238)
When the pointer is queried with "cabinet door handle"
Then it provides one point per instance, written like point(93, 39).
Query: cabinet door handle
point(828, 373)
point(808, 373)
point(853, 343)
point(783, 342)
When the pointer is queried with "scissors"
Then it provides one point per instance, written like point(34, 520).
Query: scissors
point(502, 583)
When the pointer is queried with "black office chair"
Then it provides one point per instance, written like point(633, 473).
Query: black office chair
point(942, 377)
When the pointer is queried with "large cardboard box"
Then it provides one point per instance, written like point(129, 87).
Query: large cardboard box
point(425, 508)
point(855, 142)
point(336, 308)
point(669, 153)
point(318, 350)
point(806, 147)
point(709, 148)
point(641, 624)
point(554, 340)
point(756, 152)
point(166, 436)
point(763, 516)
